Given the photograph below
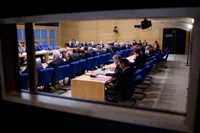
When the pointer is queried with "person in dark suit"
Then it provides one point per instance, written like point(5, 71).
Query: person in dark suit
point(118, 70)
point(145, 57)
point(127, 45)
point(122, 46)
point(94, 53)
point(70, 44)
point(70, 57)
point(75, 57)
point(134, 43)
point(82, 54)
point(57, 61)
point(124, 79)
point(156, 47)
point(115, 47)
point(109, 49)
point(93, 45)
point(100, 51)
point(101, 44)
point(141, 58)
point(144, 44)
point(140, 43)
point(87, 52)
point(151, 50)
point(38, 67)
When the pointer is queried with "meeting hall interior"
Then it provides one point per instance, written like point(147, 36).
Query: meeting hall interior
point(134, 62)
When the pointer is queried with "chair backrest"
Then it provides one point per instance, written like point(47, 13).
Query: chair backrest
point(55, 47)
point(74, 68)
point(130, 90)
point(108, 57)
point(81, 65)
point(101, 58)
point(95, 61)
point(123, 53)
point(167, 54)
point(89, 63)
point(147, 69)
point(119, 52)
point(23, 81)
point(138, 72)
point(61, 72)
point(50, 48)
point(126, 52)
point(147, 63)
point(45, 76)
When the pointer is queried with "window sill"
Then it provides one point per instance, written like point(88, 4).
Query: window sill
point(119, 114)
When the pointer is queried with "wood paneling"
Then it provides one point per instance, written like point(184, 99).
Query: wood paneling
point(102, 30)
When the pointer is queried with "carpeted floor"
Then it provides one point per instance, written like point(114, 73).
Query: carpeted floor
point(169, 88)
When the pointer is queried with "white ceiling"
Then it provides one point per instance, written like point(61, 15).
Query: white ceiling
point(174, 22)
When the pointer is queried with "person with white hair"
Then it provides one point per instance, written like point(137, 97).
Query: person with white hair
point(101, 44)
point(122, 46)
point(38, 66)
point(57, 61)
point(116, 47)
point(93, 45)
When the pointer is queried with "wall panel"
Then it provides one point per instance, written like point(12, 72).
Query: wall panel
point(102, 30)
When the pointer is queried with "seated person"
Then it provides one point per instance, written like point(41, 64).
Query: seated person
point(70, 44)
point(94, 53)
point(87, 52)
point(93, 45)
point(124, 79)
point(101, 44)
point(115, 47)
point(82, 54)
point(152, 52)
point(117, 71)
point(156, 47)
point(20, 48)
point(122, 46)
point(144, 44)
point(127, 45)
point(140, 43)
point(145, 57)
point(70, 57)
point(57, 61)
point(109, 49)
point(134, 43)
point(39, 48)
point(38, 67)
point(100, 51)
point(139, 60)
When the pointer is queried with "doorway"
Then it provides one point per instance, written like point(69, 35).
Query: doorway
point(175, 39)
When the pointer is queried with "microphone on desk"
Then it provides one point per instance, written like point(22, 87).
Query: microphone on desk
point(93, 75)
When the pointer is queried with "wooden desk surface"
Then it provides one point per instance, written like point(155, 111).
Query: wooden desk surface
point(99, 78)
point(89, 88)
